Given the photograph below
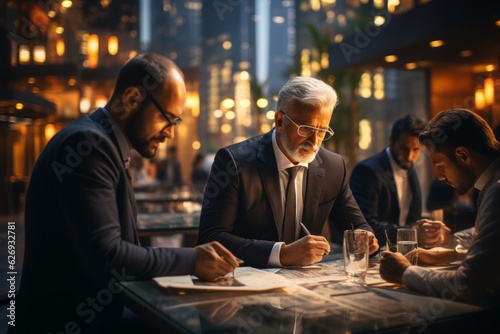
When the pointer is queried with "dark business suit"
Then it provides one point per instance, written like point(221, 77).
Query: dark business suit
point(372, 183)
point(81, 234)
point(242, 207)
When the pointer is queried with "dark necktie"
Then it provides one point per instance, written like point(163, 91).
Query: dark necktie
point(290, 207)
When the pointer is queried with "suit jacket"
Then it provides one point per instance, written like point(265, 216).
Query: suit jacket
point(81, 237)
point(242, 206)
point(372, 183)
point(477, 279)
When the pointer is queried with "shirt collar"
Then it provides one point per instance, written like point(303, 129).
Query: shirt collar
point(125, 151)
point(487, 174)
point(281, 160)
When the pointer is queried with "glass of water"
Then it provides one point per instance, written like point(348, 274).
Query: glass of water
point(355, 249)
point(407, 244)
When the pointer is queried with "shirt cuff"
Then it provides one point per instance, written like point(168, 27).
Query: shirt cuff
point(274, 258)
point(413, 275)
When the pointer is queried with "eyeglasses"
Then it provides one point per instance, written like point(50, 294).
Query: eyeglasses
point(164, 113)
point(307, 131)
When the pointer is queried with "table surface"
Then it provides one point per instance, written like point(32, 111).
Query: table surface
point(318, 307)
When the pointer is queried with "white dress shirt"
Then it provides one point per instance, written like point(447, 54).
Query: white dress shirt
point(402, 187)
point(283, 163)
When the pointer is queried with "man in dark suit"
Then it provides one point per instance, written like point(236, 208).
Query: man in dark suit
point(247, 205)
point(386, 185)
point(80, 220)
point(466, 154)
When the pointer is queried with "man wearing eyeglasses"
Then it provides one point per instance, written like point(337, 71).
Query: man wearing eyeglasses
point(251, 207)
point(80, 221)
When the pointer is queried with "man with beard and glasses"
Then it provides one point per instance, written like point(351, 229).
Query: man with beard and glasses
point(386, 185)
point(80, 219)
point(466, 154)
point(251, 207)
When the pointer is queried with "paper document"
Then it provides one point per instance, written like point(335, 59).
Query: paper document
point(246, 279)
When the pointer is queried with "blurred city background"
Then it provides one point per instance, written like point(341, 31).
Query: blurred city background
point(386, 58)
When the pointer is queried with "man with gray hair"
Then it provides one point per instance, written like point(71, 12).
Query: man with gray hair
point(268, 198)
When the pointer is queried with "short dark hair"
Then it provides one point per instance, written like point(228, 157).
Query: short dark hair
point(459, 127)
point(148, 72)
point(409, 125)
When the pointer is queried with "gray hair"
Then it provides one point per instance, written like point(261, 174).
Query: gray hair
point(307, 91)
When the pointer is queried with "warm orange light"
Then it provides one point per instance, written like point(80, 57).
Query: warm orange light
point(479, 99)
point(113, 45)
point(50, 131)
point(436, 44)
point(391, 58)
point(60, 47)
point(411, 66)
point(93, 51)
point(39, 54)
point(489, 91)
point(24, 54)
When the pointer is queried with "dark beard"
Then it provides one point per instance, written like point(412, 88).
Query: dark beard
point(142, 147)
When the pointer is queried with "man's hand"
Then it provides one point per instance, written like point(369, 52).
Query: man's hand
point(213, 260)
point(372, 243)
point(308, 250)
point(429, 257)
point(392, 266)
point(432, 233)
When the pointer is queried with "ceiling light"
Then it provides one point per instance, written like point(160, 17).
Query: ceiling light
point(437, 43)
point(391, 58)
point(411, 66)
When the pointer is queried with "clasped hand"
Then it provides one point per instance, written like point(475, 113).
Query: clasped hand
point(432, 233)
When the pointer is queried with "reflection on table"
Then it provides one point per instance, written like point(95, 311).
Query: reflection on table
point(154, 224)
point(319, 307)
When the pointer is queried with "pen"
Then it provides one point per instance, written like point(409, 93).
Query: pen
point(387, 242)
point(306, 231)
point(240, 261)
point(304, 228)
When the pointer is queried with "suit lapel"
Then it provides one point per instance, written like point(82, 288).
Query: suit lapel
point(389, 176)
point(315, 175)
point(416, 200)
point(99, 116)
point(269, 175)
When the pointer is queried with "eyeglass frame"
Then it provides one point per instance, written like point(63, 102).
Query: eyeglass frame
point(314, 129)
point(164, 112)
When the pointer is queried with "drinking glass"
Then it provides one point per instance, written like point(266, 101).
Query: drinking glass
point(407, 244)
point(355, 249)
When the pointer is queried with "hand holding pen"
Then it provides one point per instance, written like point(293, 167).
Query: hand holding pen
point(306, 231)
